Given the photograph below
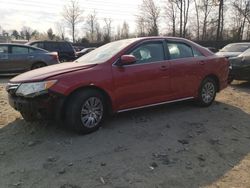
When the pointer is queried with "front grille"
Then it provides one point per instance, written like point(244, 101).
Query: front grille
point(11, 88)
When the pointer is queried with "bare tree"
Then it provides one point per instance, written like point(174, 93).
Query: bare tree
point(141, 26)
point(183, 7)
point(73, 16)
point(220, 23)
point(91, 26)
point(98, 33)
point(125, 30)
point(50, 34)
point(205, 8)
point(242, 15)
point(171, 14)
point(107, 29)
point(150, 15)
point(60, 30)
point(118, 33)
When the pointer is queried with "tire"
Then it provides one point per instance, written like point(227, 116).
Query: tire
point(230, 80)
point(27, 117)
point(85, 111)
point(63, 60)
point(207, 92)
point(38, 65)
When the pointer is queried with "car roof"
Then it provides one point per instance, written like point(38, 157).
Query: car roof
point(240, 43)
point(49, 41)
point(21, 45)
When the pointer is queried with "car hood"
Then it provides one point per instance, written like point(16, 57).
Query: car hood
point(228, 54)
point(49, 71)
point(235, 61)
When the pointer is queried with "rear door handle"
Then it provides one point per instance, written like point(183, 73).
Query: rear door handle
point(30, 56)
point(201, 62)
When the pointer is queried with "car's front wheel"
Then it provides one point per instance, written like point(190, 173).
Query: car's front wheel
point(85, 111)
point(207, 92)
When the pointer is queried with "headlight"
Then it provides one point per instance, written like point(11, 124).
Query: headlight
point(35, 88)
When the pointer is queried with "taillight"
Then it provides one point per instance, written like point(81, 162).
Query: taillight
point(54, 56)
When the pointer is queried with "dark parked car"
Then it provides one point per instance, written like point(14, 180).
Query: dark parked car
point(17, 58)
point(84, 51)
point(234, 49)
point(64, 49)
point(240, 67)
point(120, 76)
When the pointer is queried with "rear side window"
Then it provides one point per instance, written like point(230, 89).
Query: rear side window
point(3, 52)
point(38, 45)
point(149, 52)
point(52, 46)
point(19, 50)
point(64, 46)
point(197, 53)
point(179, 50)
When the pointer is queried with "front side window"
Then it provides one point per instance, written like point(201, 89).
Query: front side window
point(19, 50)
point(149, 52)
point(179, 50)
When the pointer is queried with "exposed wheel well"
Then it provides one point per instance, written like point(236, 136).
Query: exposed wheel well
point(38, 62)
point(104, 93)
point(216, 79)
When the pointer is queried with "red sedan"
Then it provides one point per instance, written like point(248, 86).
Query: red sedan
point(117, 77)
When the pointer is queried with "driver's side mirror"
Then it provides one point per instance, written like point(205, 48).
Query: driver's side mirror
point(128, 59)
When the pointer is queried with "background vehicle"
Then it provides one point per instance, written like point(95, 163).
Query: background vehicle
point(234, 49)
point(17, 58)
point(84, 51)
point(240, 67)
point(64, 49)
point(117, 77)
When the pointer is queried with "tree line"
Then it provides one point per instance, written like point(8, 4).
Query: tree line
point(199, 20)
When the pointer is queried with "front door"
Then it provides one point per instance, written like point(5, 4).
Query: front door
point(146, 81)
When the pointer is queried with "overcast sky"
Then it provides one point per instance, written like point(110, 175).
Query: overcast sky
point(43, 14)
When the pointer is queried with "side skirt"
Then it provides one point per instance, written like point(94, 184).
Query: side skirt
point(156, 104)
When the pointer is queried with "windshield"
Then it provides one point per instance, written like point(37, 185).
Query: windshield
point(104, 53)
point(235, 48)
point(245, 54)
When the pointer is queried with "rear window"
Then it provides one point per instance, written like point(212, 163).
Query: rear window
point(64, 46)
point(38, 45)
point(235, 48)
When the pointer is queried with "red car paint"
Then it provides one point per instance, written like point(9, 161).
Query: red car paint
point(139, 85)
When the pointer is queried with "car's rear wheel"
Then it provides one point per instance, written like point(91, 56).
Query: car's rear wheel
point(38, 65)
point(85, 111)
point(207, 92)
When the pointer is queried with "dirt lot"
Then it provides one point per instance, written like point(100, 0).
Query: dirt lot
point(177, 145)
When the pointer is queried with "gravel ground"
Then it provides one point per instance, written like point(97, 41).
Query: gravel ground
point(176, 145)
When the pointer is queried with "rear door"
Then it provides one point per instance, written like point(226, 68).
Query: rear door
point(185, 67)
point(145, 82)
point(19, 58)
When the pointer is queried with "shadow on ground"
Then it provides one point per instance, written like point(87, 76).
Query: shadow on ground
point(5, 79)
point(177, 145)
point(241, 86)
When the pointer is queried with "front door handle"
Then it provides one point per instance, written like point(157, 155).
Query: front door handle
point(163, 67)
